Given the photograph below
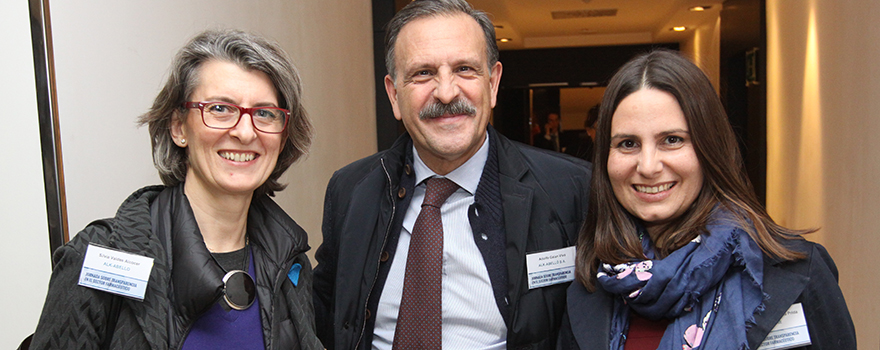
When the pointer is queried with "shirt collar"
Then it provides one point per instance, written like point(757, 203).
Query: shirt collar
point(467, 176)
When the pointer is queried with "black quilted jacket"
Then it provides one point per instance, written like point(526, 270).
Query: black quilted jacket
point(158, 222)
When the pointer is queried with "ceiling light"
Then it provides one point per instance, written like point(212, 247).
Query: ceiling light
point(505, 40)
point(679, 28)
point(699, 8)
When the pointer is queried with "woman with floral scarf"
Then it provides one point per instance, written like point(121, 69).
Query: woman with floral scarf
point(677, 252)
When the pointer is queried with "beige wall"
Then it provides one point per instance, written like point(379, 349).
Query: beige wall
point(822, 115)
point(703, 47)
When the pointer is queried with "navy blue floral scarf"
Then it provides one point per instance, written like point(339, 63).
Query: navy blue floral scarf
point(710, 289)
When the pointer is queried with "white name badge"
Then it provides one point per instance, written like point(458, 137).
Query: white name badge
point(116, 272)
point(550, 267)
point(791, 331)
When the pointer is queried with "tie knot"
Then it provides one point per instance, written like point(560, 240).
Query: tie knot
point(438, 190)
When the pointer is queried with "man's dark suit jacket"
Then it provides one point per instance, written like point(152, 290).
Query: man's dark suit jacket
point(528, 200)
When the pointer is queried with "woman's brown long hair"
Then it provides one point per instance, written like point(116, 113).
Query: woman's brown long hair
point(610, 232)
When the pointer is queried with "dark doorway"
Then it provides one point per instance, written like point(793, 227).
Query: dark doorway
point(743, 86)
point(539, 74)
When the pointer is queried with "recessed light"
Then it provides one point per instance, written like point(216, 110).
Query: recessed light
point(505, 40)
point(699, 8)
point(679, 28)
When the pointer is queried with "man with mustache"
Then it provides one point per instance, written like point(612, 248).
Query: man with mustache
point(399, 270)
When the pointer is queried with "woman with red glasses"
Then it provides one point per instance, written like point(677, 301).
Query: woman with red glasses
point(208, 260)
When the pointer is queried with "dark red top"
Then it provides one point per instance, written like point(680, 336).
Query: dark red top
point(644, 334)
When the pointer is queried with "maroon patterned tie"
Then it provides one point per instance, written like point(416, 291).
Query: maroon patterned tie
point(419, 319)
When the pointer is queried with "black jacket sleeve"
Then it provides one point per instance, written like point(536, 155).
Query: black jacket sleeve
point(828, 318)
point(325, 273)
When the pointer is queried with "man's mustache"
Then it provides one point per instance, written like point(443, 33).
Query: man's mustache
point(456, 107)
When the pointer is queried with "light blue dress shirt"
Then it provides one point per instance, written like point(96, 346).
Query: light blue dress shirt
point(471, 319)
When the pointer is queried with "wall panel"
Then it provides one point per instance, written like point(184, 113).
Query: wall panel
point(822, 107)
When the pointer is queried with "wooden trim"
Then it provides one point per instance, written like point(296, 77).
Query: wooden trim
point(50, 136)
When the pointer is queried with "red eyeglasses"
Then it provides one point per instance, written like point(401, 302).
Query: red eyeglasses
point(222, 115)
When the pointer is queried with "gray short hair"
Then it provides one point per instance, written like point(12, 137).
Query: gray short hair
point(429, 8)
point(250, 52)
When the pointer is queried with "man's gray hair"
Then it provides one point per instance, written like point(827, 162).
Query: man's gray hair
point(429, 8)
point(250, 52)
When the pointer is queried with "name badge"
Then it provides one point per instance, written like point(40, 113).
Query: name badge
point(115, 272)
point(791, 331)
point(550, 267)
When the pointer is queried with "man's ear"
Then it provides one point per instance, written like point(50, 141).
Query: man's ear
point(178, 130)
point(391, 90)
point(495, 81)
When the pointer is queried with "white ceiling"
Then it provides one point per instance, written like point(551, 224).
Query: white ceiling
point(530, 23)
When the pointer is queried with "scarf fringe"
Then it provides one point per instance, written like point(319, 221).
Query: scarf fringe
point(724, 264)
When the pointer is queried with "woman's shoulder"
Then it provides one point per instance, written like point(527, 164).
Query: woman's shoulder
point(822, 269)
point(131, 219)
point(812, 283)
point(588, 320)
point(816, 261)
point(819, 257)
point(266, 217)
point(599, 302)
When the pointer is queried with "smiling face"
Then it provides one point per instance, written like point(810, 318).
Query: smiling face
point(441, 60)
point(232, 161)
point(652, 165)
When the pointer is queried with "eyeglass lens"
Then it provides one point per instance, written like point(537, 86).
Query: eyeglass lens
point(239, 290)
point(224, 116)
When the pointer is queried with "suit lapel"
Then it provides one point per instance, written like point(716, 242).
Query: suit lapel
point(590, 314)
point(783, 286)
point(516, 202)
